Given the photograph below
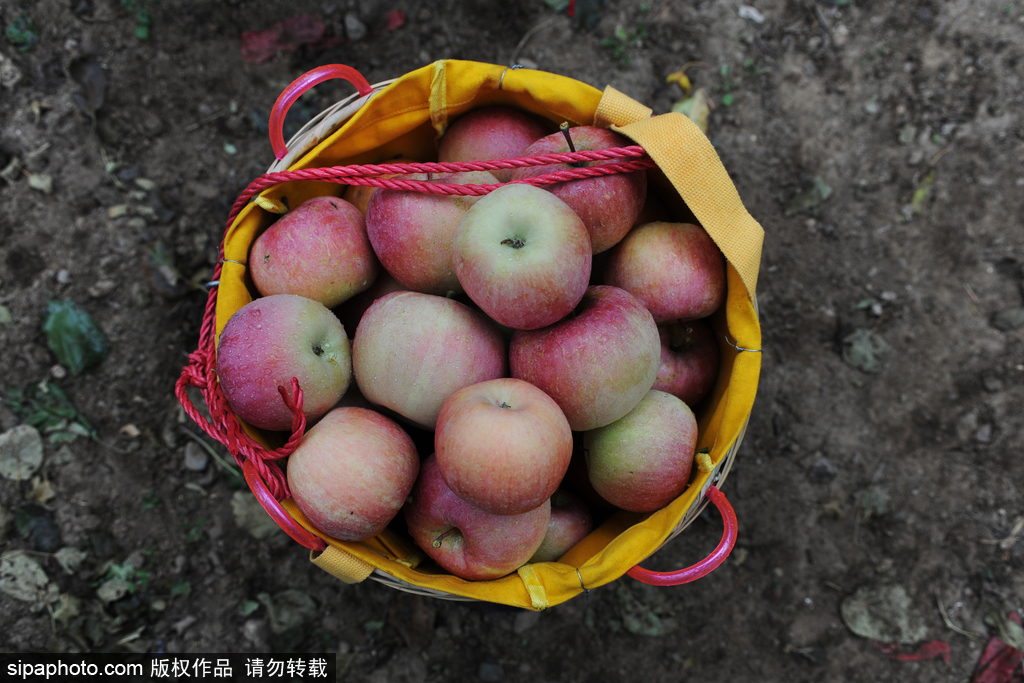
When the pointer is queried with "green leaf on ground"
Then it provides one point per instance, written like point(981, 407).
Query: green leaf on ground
point(22, 33)
point(46, 407)
point(1007, 630)
point(810, 200)
point(865, 350)
point(923, 192)
point(73, 336)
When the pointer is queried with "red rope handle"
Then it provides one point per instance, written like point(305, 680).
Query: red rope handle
point(709, 563)
point(622, 160)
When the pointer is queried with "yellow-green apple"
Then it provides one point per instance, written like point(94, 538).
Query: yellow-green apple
point(488, 133)
point(643, 461)
point(523, 256)
point(676, 269)
point(597, 363)
point(352, 472)
point(608, 204)
point(689, 360)
point(318, 250)
point(469, 542)
point(570, 523)
point(273, 339)
point(412, 232)
point(503, 445)
point(412, 351)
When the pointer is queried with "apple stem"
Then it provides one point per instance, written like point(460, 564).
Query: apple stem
point(680, 337)
point(436, 543)
point(564, 127)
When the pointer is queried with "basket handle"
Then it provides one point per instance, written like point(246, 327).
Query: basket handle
point(276, 512)
point(709, 563)
point(301, 85)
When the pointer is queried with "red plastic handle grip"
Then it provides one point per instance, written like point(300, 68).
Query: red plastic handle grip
point(276, 512)
point(301, 85)
point(709, 563)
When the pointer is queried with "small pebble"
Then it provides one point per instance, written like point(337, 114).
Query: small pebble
point(195, 457)
point(1008, 319)
point(984, 434)
point(63, 276)
point(355, 29)
point(822, 471)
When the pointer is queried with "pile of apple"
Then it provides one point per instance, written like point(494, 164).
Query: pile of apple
point(487, 325)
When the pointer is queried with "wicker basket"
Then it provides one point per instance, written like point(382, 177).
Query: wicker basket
point(383, 559)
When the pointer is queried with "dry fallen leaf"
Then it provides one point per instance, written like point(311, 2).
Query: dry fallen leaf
point(42, 490)
point(21, 452)
point(21, 577)
point(130, 430)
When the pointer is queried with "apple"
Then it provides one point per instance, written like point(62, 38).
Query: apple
point(351, 312)
point(523, 256)
point(412, 232)
point(596, 363)
point(352, 472)
point(359, 195)
point(502, 445)
point(654, 210)
point(689, 360)
point(412, 351)
point(273, 339)
point(608, 204)
point(465, 540)
point(318, 250)
point(577, 480)
point(676, 269)
point(488, 133)
point(570, 523)
point(642, 461)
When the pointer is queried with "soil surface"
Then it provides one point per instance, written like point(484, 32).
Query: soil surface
point(881, 146)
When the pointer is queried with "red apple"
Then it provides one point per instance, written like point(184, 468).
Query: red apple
point(503, 445)
point(570, 523)
point(597, 363)
point(351, 312)
point(412, 351)
point(465, 540)
point(642, 462)
point(352, 472)
point(412, 232)
point(490, 133)
point(654, 210)
point(523, 256)
point(577, 480)
point(318, 250)
point(359, 195)
point(609, 204)
point(273, 339)
point(676, 269)
point(689, 360)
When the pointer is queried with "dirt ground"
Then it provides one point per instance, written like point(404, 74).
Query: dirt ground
point(881, 146)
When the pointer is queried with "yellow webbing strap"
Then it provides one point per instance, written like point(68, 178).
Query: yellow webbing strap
point(341, 564)
point(690, 162)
